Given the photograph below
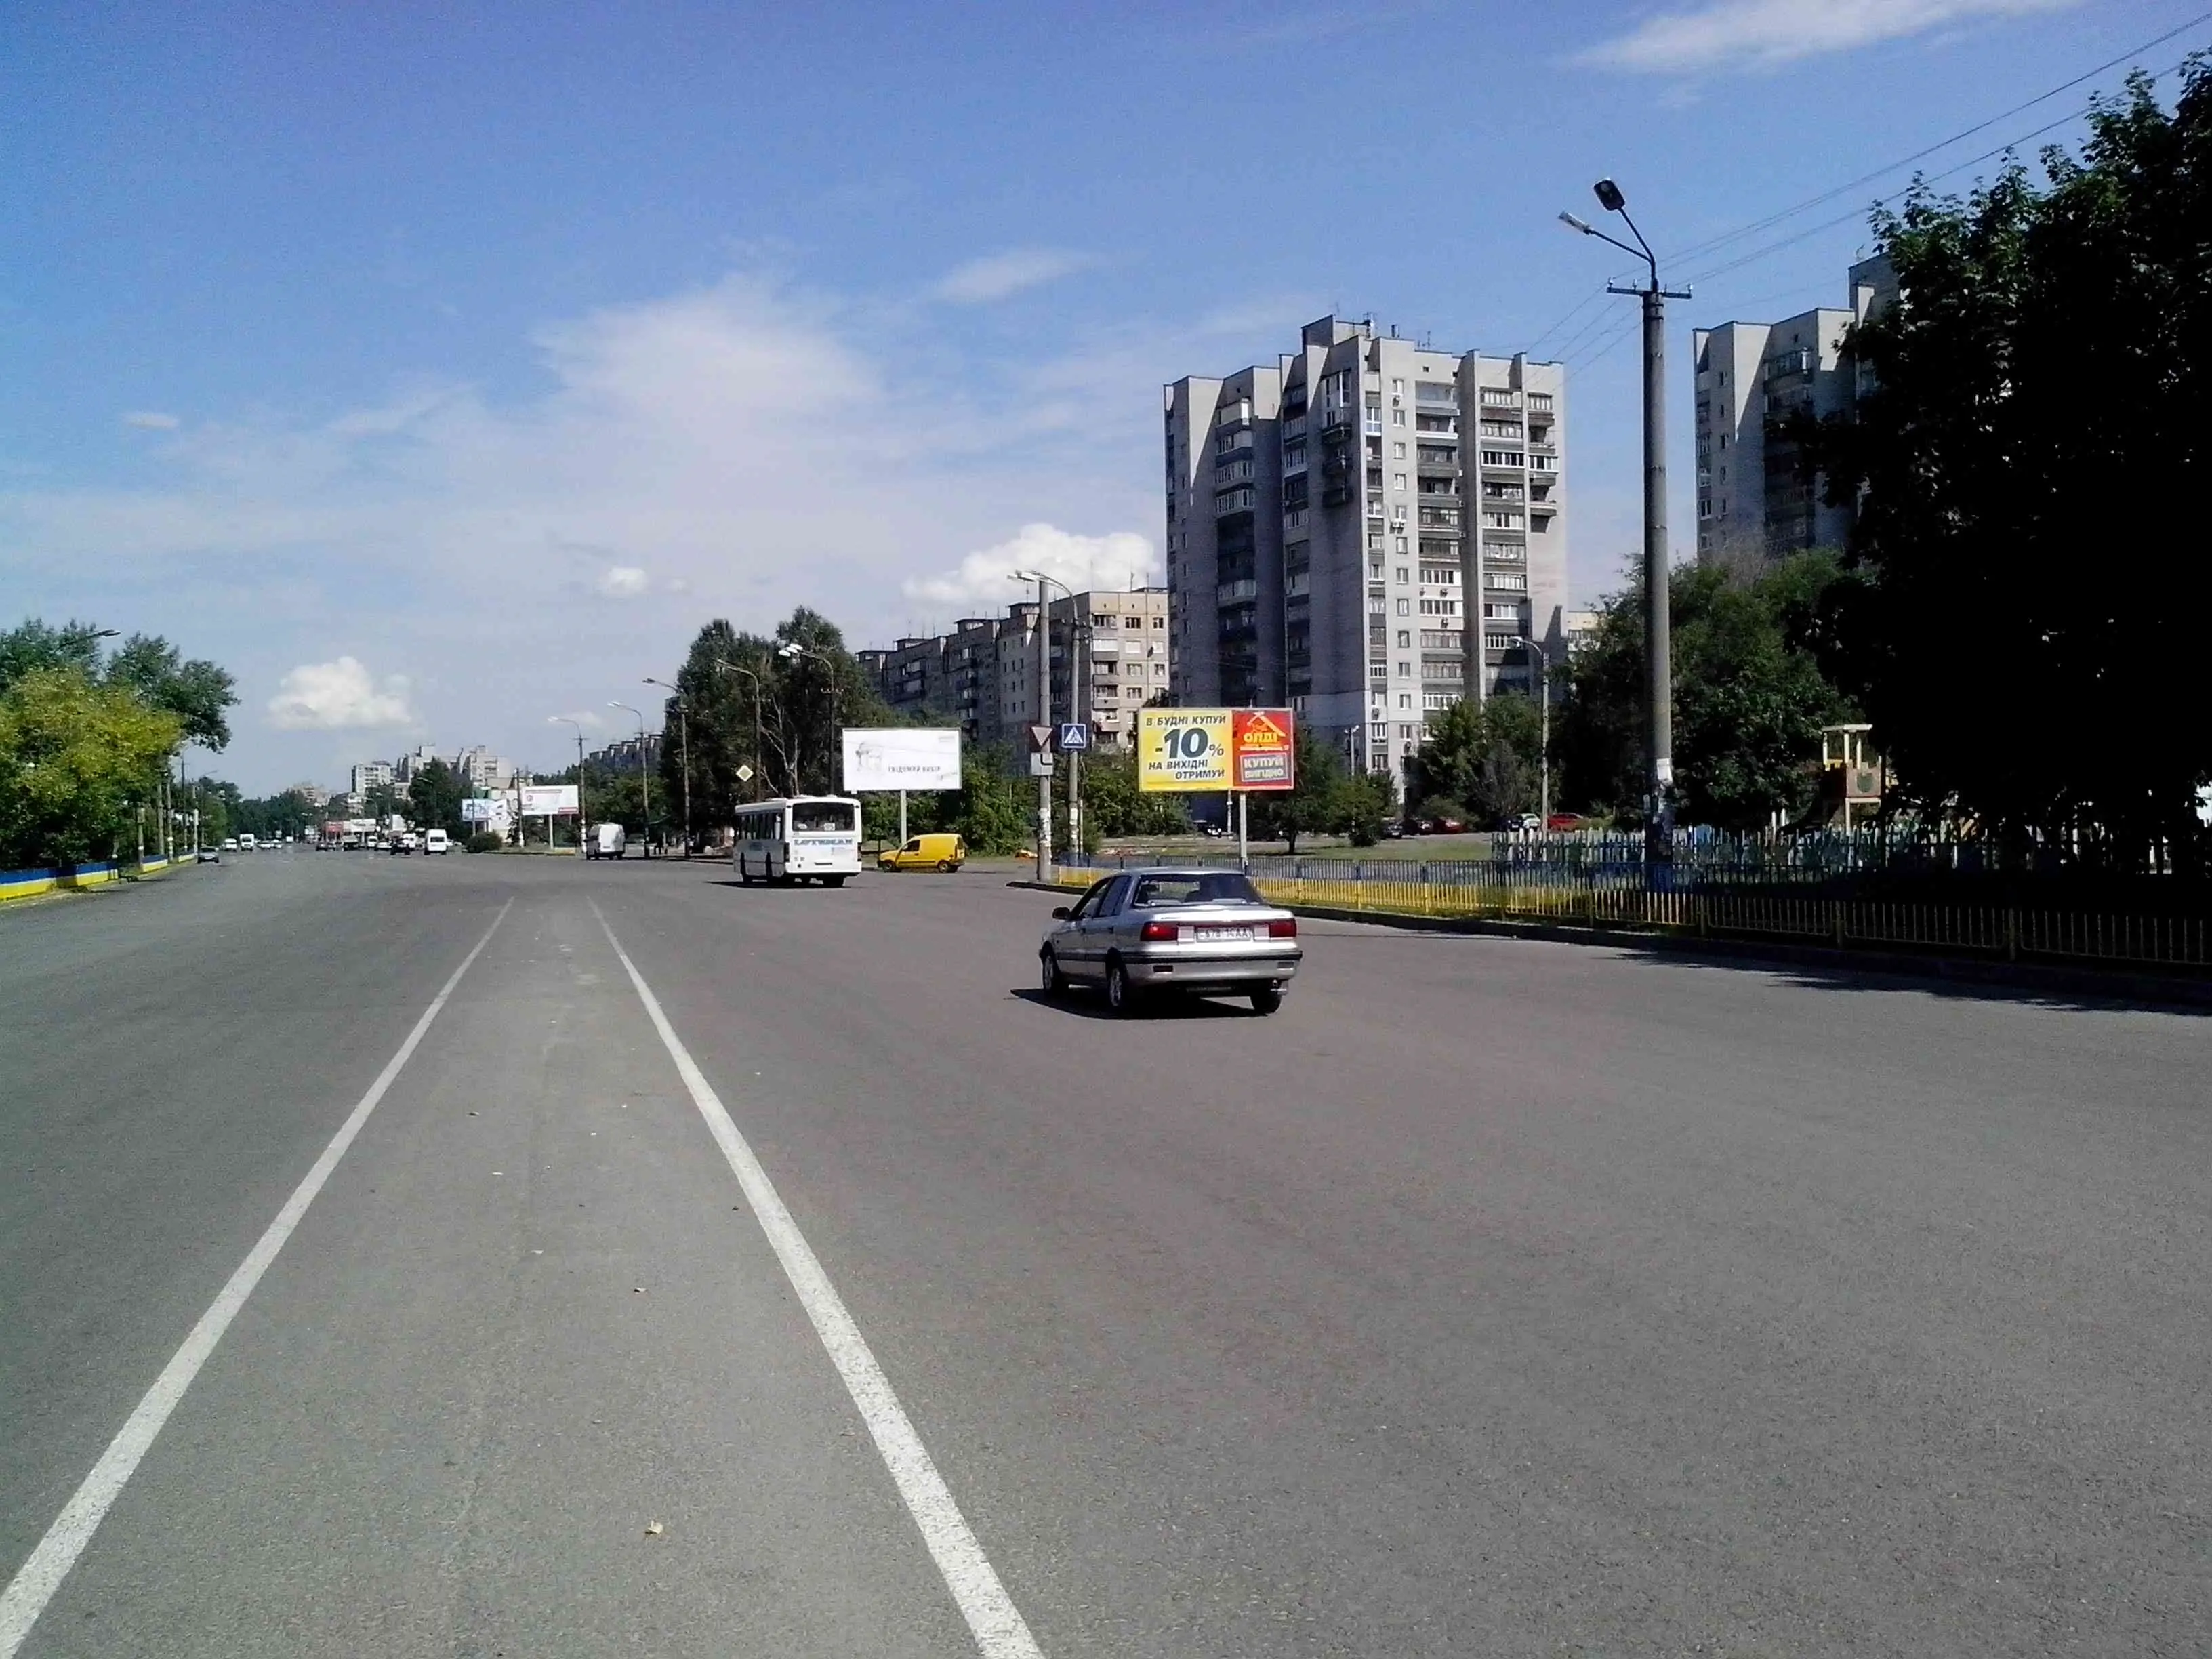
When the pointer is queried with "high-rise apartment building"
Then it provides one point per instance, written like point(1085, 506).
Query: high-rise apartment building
point(1109, 656)
point(1368, 530)
point(367, 775)
point(1752, 380)
point(479, 768)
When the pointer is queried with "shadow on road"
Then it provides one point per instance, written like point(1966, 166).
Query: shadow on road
point(1091, 1004)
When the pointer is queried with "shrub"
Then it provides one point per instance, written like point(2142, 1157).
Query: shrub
point(484, 841)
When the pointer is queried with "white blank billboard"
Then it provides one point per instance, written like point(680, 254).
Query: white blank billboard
point(901, 757)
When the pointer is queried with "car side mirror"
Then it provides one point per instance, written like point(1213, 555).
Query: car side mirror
point(1059, 913)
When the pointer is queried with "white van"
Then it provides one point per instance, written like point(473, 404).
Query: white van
point(607, 841)
point(437, 841)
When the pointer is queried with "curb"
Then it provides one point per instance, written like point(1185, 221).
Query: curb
point(2127, 985)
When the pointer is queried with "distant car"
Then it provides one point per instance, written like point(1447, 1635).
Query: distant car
point(1393, 831)
point(1212, 831)
point(606, 841)
point(1566, 821)
point(1524, 821)
point(437, 841)
point(209, 855)
point(230, 843)
point(405, 841)
point(1194, 933)
point(932, 852)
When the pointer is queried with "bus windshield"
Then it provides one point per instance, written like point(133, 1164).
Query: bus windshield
point(822, 815)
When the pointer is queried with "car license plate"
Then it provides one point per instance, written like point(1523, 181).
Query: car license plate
point(1222, 935)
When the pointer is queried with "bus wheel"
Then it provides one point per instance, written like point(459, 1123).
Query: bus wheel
point(833, 881)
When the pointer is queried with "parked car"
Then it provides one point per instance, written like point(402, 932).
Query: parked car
point(607, 841)
point(1566, 821)
point(1212, 831)
point(931, 852)
point(437, 841)
point(1394, 830)
point(1193, 933)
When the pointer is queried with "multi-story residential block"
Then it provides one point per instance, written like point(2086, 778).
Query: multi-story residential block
point(1752, 380)
point(313, 795)
point(481, 769)
point(367, 775)
point(624, 752)
point(1369, 529)
point(1109, 656)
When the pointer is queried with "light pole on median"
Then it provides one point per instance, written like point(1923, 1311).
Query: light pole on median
point(644, 784)
point(582, 818)
point(792, 651)
point(684, 730)
point(1539, 664)
point(1044, 709)
point(1659, 735)
point(760, 761)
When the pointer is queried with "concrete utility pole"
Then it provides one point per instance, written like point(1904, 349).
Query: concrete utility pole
point(583, 819)
point(1539, 664)
point(1659, 685)
point(1044, 701)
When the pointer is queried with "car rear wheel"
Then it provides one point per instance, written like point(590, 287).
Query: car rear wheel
point(1120, 995)
point(1266, 1001)
point(1050, 976)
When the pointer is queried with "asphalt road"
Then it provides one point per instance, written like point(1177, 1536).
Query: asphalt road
point(1494, 1298)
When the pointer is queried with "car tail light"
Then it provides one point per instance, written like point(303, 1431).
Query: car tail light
point(1158, 931)
point(1285, 928)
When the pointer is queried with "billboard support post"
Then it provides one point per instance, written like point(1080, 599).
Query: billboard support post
point(901, 817)
point(1244, 826)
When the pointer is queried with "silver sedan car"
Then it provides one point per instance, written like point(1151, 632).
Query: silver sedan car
point(1204, 933)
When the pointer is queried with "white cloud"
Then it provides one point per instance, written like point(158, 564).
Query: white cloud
point(1758, 34)
point(1000, 276)
point(622, 581)
point(153, 420)
point(985, 579)
point(338, 696)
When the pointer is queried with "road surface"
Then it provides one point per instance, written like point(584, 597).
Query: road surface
point(1494, 1298)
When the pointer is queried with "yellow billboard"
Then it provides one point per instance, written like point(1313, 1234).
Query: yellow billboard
point(1215, 749)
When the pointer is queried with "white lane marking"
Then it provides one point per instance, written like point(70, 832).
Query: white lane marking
point(1000, 1630)
point(41, 1575)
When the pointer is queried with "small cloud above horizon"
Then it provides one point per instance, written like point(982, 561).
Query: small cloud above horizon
point(622, 581)
point(1001, 276)
point(1750, 35)
point(339, 697)
point(1114, 562)
point(152, 420)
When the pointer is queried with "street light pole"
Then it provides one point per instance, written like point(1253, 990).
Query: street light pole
point(583, 819)
point(683, 728)
point(760, 762)
point(1659, 733)
point(644, 783)
point(1044, 710)
point(1540, 663)
point(791, 650)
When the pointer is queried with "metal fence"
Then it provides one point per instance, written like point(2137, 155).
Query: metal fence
point(1615, 895)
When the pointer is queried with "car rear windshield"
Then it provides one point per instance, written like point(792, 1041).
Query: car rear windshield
point(821, 815)
point(1227, 887)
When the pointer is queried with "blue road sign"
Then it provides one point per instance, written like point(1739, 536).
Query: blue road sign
point(1074, 737)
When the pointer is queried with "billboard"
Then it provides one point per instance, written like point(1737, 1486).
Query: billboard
point(1197, 749)
point(549, 801)
point(488, 810)
point(901, 757)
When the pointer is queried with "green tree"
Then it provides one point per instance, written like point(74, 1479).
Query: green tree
point(434, 799)
point(2011, 677)
point(994, 816)
point(1488, 760)
point(78, 761)
point(1315, 805)
point(1749, 694)
point(1113, 807)
point(197, 693)
point(35, 644)
point(1366, 804)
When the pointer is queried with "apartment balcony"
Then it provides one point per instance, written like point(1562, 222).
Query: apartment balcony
point(1447, 462)
point(1336, 496)
point(1493, 397)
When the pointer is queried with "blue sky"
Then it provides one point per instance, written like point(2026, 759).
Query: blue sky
point(439, 368)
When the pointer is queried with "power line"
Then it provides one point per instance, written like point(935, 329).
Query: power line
point(1776, 218)
point(1795, 237)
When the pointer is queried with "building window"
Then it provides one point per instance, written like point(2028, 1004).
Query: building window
point(1397, 544)
point(1397, 481)
point(1398, 451)
point(1397, 417)
point(1405, 700)
point(1405, 572)
point(1405, 670)
point(1404, 638)
point(1406, 607)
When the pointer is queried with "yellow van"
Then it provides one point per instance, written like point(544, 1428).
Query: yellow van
point(941, 851)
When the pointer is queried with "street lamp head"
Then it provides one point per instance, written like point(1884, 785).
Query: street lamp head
point(1608, 195)
point(1573, 223)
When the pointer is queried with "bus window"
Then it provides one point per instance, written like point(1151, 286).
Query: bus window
point(822, 815)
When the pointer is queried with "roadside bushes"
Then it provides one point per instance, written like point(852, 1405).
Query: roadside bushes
point(482, 841)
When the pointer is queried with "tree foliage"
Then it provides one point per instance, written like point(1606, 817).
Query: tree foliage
point(2041, 381)
point(79, 763)
point(435, 794)
point(1488, 760)
point(1750, 693)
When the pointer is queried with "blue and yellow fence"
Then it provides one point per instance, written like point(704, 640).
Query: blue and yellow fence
point(1470, 892)
point(29, 883)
